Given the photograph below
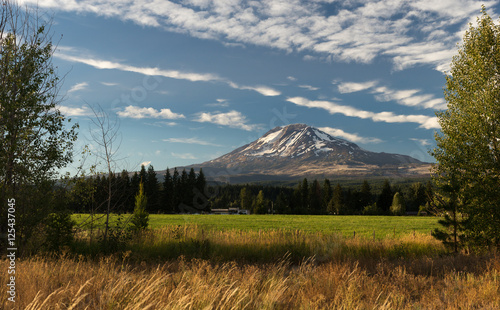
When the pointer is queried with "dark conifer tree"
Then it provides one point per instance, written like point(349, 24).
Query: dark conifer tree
point(315, 201)
point(384, 201)
point(135, 180)
point(176, 194)
point(337, 205)
point(143, 174)
point(305, 194)
point(327, 193)
point(366, 198)
point(200, 195)
point(152, 190)
point(167, 194)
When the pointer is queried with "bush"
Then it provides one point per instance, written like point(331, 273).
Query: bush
point(372, 210)
point(58, 230)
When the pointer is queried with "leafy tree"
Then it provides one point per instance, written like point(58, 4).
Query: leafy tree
point(34, 142)
point(468, 146)
point(336, 205)
point(417, 196)
point(259, 205)
point(140, 218)
point(398, 206)
point(245, 199)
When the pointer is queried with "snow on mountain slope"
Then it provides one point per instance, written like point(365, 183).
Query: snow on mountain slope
point(299, 149)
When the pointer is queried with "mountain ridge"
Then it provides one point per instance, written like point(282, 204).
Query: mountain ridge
point(299, 150)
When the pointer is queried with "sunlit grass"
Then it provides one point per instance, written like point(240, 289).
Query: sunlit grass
point(366, 226)
point(114, 282)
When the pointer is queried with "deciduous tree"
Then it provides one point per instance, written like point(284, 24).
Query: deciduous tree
point(468, 146)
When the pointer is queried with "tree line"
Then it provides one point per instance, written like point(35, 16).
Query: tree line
point(176, 192)
point(189, 192)
point(315, 197)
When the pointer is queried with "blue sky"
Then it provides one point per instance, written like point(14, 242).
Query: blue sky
point(192, 80)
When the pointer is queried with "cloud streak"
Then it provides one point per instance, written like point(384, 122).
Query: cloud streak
point(424, 121)
point(353, 137)
point(406, 97)
point(152, 71)
point(78, 86)
point(190, 141)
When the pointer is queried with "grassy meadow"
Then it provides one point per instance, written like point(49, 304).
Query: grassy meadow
point(345, 225)
point(261, 262)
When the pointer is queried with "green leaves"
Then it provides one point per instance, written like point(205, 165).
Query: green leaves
point(468, 147)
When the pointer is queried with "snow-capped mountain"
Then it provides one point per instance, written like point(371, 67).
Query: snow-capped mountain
point(301, 150)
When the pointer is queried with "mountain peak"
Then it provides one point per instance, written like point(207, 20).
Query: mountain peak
point(295, 140)
point(302, 150)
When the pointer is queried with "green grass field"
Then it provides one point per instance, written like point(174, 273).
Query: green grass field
point(383, 226)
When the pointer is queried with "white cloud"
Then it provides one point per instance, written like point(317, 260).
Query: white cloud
point(233, 119)
point(72, 111)
point(78, 86)
point(410, 32)
point(406, 97)
point(423, 142)
point(309, 87)
point(353, 137)
point(263, 90)
point(351, 87)
point(138, 113)
point(109, 84)
point(425, 121)
point(145, 163)
point(190, 141)
point(184, 155)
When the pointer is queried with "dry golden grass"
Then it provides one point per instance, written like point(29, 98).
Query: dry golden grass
point(114, 282)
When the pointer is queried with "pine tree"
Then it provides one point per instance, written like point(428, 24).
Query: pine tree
point(385, 199)
point(245, 199)
point(337, 202)
point(167, 193)
point(176, 193)
point(140, 218)
point(315, 201)
point(366, 198)
point(152, 189)
point(305, 194)
point(327, 193)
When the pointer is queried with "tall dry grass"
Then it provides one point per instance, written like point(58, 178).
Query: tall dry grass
point(461, 282)
point(266, 246)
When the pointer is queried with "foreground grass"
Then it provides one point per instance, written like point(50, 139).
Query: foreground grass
point(459, 282)
point(366, 226)
point(192, 266)
point(262, 246)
